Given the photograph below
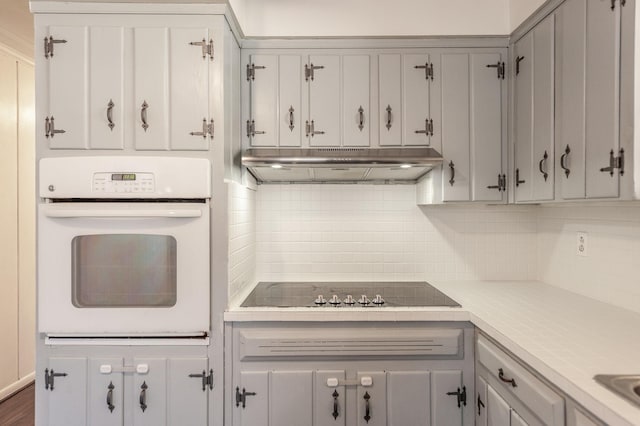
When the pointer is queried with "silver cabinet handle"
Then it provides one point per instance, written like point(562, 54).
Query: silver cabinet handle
point(291, 110)
point(388, 125)
point(143, 396)
point(110, 106)
point(452, 167)
point(143, 115)
point(110, 405)
point(205, 130)
point(563, 159)
point(361, 118)
point(543, 161)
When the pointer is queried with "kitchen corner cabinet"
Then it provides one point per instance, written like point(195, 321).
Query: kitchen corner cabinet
point(118, 391)
point(119, 80)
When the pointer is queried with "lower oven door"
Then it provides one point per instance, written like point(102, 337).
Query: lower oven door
point(123, 268)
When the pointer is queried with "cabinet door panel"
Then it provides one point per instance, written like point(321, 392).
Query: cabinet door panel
point(68, 398)
point(151, 87)
point(189, 88)
point(481, 402)
point(355, 100)
point(105, 389)
point(498, 411)
point(390, 95)
point(106, 67)
point(455, 127)
point(256, 409)
point(486, 127)
point(151, 390)
point(328, 401)
point(524, 117)
point(409, 398)
point(290, 398)
point(444, 408)
point(415, 90)
point(68, 88)
point(374, 398)
point(543, 110)
point(516, 420)
point(602, 97)
point(324, 100)
point(290, 102)
point(264, 100)
point(186, 396)
point(570, 97)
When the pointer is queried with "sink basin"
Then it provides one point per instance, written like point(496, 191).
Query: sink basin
point(625, 385)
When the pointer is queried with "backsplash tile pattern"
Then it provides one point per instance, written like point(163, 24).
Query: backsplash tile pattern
point(376, 232)
point(242, 238)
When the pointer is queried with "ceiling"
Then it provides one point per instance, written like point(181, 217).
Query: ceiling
point(16, 26)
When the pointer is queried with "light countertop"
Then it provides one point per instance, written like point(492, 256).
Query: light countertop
point(566, 337)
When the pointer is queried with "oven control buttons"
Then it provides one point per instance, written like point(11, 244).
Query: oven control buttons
point(349, 300)
point(320, 300)
point(364, 300)
point(378, 300)
point(335, 300)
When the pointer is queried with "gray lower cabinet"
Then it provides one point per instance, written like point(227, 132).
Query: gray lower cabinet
point(118, 391)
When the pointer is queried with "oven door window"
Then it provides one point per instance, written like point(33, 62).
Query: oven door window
point(128, 270)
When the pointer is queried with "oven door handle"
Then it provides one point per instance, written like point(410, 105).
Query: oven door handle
point(132, 213)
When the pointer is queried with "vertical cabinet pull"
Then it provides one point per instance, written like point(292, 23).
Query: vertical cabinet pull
point(518, 181)
point(360, 118)
point(563, 160)
point(143, 396)
point(110, 106)
point(291, 110)
point(544, 162)
point(367, 407)
point(452, 167)
point(335, 412)
point(143, 115)
point(110, 405)
point(388, 125)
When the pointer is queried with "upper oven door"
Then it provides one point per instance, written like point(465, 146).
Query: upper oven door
point(123, 268)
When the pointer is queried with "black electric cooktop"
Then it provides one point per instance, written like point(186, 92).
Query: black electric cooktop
point(347, 295)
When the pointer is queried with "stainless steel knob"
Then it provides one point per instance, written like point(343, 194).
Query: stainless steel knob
point(364, 300)
point(378, 300)
point(349, 300)
point(335, 301)
point(320, 300)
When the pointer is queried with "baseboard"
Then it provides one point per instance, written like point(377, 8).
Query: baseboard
point(17, 386)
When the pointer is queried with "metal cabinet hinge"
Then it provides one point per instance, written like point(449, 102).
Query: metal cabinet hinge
point(207, 379)
point(251, 71)
point(309, 71)
point(461, 396)
point(48, 46)
point(49, 377)
point(207, 48)
point(428, 128)
point(50, 128)
point(207, 129)
point(613, 4)
point(502, 183)
point(241, 398)
point(499, 66)
point(518, 60)
point(615, 163)
point(428, 70)
point(251, 129)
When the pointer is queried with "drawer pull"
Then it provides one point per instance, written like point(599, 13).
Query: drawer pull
point(501, 377)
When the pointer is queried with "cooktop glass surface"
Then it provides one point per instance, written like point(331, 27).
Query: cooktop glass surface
point(347, 294)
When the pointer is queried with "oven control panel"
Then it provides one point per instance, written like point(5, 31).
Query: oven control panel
point(116, 183)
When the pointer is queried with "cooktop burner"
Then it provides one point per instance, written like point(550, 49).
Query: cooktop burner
point(346, 294)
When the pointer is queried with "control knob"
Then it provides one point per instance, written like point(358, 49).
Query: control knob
point(320, 301)
point(378, 300)
point(349, 300)
point(364, 300)
point(335, 301)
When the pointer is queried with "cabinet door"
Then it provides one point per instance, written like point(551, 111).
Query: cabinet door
point(415, 95)
point(570, 98)
point(105, 392)
point(290, 100)
point(189, 88)
point(264, 100)
point(355, 100)
point(151, 88)
point(390, 96)
point(255, 410)
point(187, 396)
point(602, 97)
point(106, 85)
point(542, 170)
point(516, 420)
point(444, 407)
point(498, 411)
point(524, 62)
point(486, 127)
point(409, 398)
point(149, 393)
point(324, 100)
point(455, 126)
point(329, 407)
point(372, 400)
point(68, 88)
point(291, 398)
point(68, 394)
point(481, 402)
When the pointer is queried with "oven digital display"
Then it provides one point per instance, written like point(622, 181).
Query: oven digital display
point(123, 176)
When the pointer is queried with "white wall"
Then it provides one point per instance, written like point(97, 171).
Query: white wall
point(372, 17)
point(242, 238)
point(376, 232)
point(519, 10)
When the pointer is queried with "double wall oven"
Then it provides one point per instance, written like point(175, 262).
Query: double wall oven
point(123, 246)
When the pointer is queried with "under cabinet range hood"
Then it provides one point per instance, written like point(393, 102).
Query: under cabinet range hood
point(340, 165)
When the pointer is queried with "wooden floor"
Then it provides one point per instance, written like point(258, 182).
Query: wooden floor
point(19, 409)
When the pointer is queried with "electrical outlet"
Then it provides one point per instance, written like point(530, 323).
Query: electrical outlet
point(581, 244)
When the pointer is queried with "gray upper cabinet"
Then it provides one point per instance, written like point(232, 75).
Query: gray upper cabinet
point(323, 77)
point(417, 77)
point(390, 96)
point(355, 100)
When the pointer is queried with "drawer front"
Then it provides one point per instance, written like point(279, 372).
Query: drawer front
point(522, 384)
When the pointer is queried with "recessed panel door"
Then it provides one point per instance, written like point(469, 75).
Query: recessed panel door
point(149, 392)
point(498, 411)
point(324, 101)
point(445, 409)
point(291, 398)
point(187, 393)
point(415, 94)
point(524, 62)
point(329, 407)
point(106, 392)
point(390, 95)
point(251, 407)
point(409, 398)
point(262, 128)
point(516, 420)
point(481, 402)
point(356, 118)
point(67, 391)
point(291, 122)
point(372, 400)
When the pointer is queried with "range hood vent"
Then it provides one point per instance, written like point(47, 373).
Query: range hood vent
point(340, 165)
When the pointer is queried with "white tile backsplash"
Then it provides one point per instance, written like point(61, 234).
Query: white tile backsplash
point(242, 238)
